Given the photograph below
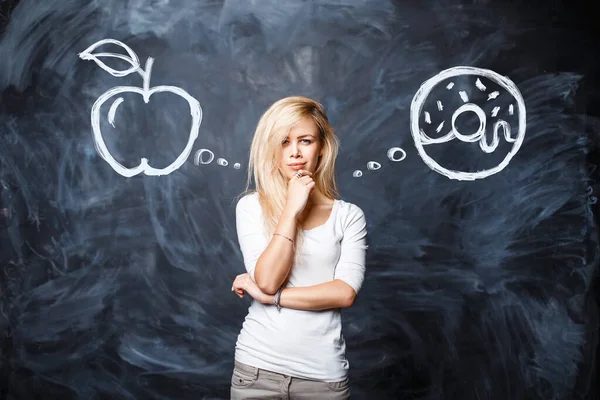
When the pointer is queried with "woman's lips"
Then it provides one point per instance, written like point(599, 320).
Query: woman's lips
point(297, 167)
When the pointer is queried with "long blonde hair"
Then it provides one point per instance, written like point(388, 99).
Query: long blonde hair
point(265, 154)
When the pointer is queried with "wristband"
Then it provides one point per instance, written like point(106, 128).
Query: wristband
point(276, 298)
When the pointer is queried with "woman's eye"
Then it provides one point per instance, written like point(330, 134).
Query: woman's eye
point(306, 141)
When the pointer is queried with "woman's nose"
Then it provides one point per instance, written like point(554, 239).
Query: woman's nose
point(295, 150)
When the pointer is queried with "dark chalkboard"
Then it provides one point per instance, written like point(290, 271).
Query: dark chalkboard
point(468, 136)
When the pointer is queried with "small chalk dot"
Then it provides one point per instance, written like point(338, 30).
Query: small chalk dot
point(392, 154)
point(373, 165)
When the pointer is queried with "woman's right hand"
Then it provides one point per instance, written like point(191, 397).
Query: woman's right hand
point(298, 191)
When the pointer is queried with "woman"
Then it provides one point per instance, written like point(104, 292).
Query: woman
point(304, 252)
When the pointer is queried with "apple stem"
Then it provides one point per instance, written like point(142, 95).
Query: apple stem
point(145, 73)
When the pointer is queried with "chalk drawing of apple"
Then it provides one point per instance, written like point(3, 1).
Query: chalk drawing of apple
point(145, 91)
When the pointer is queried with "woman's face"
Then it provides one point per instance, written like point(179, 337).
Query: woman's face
point(301, 149)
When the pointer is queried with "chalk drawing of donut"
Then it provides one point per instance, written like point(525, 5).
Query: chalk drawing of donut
point(420, 119)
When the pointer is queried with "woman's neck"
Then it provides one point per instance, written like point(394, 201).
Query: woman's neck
point(317, 198)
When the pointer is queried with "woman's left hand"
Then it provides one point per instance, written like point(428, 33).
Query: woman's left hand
point(244, 283)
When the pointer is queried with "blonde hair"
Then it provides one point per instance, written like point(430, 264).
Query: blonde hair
point(265, 154)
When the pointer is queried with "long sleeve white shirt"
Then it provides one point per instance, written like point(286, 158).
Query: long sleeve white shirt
point(299, 343)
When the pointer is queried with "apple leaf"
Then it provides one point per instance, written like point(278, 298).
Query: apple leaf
point(130, 58)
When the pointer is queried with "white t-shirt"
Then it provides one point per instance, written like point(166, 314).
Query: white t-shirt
point(299, 343)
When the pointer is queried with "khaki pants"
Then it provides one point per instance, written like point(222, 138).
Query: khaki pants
point(249, 382)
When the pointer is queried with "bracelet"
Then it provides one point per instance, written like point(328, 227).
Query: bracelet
point(279, 234)
point(277, 297)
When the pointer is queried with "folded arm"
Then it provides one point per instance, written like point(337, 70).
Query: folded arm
point(267, 261)
point(348, 277)
point(324, 296)
point(275, 263)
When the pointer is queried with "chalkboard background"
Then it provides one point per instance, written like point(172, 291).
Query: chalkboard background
point(115, 287)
